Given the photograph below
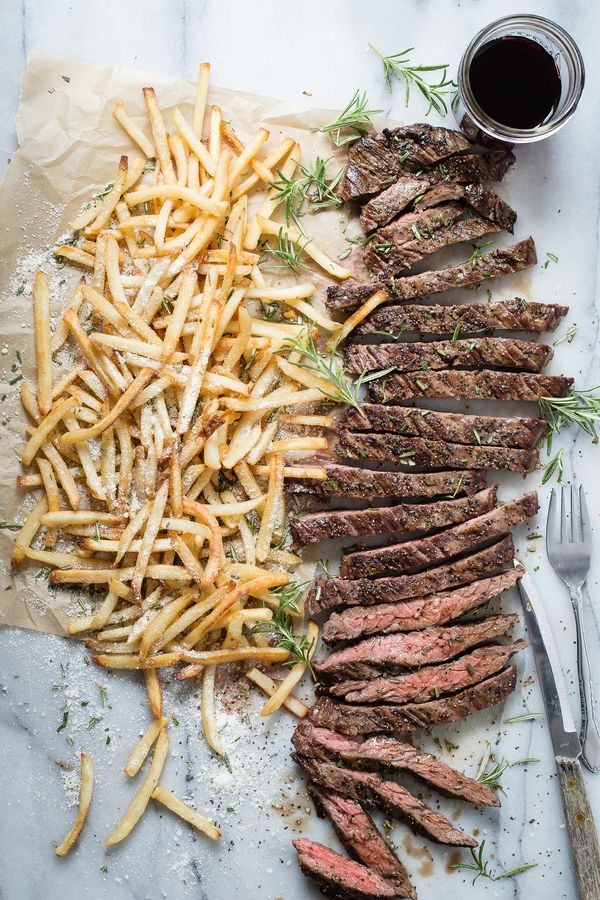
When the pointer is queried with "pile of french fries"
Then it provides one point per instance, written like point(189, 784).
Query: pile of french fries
point(159, 453)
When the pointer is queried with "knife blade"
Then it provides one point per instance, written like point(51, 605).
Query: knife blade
point(565, 739)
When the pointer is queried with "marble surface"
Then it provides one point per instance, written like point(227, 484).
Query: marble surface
point(319, 48)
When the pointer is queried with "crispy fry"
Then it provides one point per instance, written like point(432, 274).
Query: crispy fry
point(162, 795)
point(356, 318)
point(154, 692)
point(134, 131)
point(270, 687)
point(214, 562)
point(267, 523)
point(28, 531)
point(85, 799)
point(144, 745)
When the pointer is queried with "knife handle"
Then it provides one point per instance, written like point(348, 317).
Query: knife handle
point(581, 828)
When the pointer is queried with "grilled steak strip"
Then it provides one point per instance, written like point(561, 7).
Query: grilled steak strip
point(380, 210)
point(327, 593)
point(456, 428)
point(394, 652)
point(383, 255)
point(349, 296)
point(357, 831)
point(376, 158)
point(418, 451)
point(430, 682)
point(327, 525)
point(364, 484)
point(359, 720)
point(338, 877)
point(413, 615)
point(395, 800)
point(481, 199)
point(444, 545)
point(385, 752)
point(500, 352)
point(483, 385)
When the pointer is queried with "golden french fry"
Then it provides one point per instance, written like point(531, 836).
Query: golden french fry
point(144, 745)
point(140, 801)
point(28, 531)
point(356, 318)
point(266, 684)
point(85, 800)
point(134, 131)
point(154, 692)
point(294, 675)
point(162, 795)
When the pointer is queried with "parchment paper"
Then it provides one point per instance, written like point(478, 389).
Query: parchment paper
point(69, 149)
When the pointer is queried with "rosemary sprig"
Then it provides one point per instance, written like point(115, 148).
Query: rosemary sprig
point(478, 253)
point(291, 254)
point(567, 336)
point(298, 646)
point(524, 717)
point(397, 66)
point(354, 118)
point(491, 776)
point(288, 595)
point(10, 526)
point(312, 186)
point(552, 467)
point(291, 192)
point(481, 867)
point(582, 407)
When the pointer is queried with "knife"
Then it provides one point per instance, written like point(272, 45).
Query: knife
point(565, 741)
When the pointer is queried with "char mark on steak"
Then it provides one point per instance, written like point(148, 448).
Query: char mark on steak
point(486, 384)
point(359, 720)
point(430, 682)
point(328, 525)
point(505, 261)
point(413, 615)
point(395, 800)
point(455, 428)
point(417, 451)
point(393, 200)
point(357, 831)
point(327, 593)
point(443, 545)
point(385, 752)
point(377, 158)
point(340, 878)
point(481, 352)
point(364, 484)
point(392, 653)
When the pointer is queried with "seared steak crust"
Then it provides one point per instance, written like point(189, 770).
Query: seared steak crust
point(456, 428)
point(327, 525)
point(485, 384)
point(327, 593)
point(365, 484)
point(412, 615)
point(358, 720)
point(338, 877)
point(443, 545)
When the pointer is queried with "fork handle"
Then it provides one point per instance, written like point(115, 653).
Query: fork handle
point(580, 827)
point(590, 730)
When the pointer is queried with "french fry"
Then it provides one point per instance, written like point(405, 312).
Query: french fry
point(214, 562)
point(118, 661)
point(162, 795)
point(41, 320)
point(152, 527)
point(159, 134)
point(45, 428)
point(294, 675)
point(194, 142)
point(140, 801)
point(294, 234)
point(134, 131)
point(266, 684)
point(269, 655)
point(52, 496)
point(357, 316)
point(85, 800)
point(209, 723)
point(144, 745)
point(154, 690)
point(175, 192)
point(267, 524)
point(28, 531)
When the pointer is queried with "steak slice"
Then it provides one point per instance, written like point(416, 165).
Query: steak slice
point(338, 877)
point(358, 720)
point(444, 545)
point(481, 199)
point(456, 428)
point(328, 525)
point(392, 798)
point(376, 158)
point(419, 451)
point(430, 682)
point(485, 384)
point(412, 615)
point(491, 166)
point(500, 352)
point(327, 593)
point(394, 652)
point(357, 831)
point(385, 752)
point(505, 261)
point(385, 256)
point(366, 484)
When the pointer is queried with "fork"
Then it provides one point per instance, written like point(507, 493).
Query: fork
point(569, 548)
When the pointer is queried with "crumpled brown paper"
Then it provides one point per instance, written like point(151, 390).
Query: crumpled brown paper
point(69, 149)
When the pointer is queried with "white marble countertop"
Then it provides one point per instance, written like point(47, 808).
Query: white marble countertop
point(319, 48)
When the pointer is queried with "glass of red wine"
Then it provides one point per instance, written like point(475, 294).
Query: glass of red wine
point(519, 80)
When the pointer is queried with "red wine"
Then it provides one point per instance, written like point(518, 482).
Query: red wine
point(515, 81)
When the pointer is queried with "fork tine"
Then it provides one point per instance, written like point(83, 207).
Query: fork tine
point(575, 514)
point(586, 527)
point(553, 532)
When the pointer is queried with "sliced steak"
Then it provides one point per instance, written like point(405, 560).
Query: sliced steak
point(327, 593)
point(456, 428)
point(385, 752)
point(364, 484)
point(394, 652)
point(379, 157)
point(481, 199)
point(418, 451)
point(481, 352)
point(358, 720)
point(338, 877)
point(430, 682)
point(350, 295)
point(444, 545)
point(328, 525)
point(380, 210)
point(412, 615)
point(357, 831)
point(385, 256)
point(392, 798)
point(485, 384)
